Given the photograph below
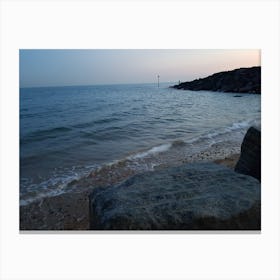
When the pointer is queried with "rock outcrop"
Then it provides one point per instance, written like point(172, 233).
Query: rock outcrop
point(249, 162)
point(189, 197)
point(243, 80)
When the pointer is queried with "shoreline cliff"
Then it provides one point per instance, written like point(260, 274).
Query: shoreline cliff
point(242, 80)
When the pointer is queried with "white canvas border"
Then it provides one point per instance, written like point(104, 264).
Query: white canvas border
point(154, 24)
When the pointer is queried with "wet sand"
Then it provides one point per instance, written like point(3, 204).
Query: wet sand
point(70, 211)
point(229, 161)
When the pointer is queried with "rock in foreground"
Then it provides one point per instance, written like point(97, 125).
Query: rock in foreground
point(249, 162)
point(192, 196)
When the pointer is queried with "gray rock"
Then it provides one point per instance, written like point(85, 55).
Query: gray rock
point(191, 196)
point(249, 162)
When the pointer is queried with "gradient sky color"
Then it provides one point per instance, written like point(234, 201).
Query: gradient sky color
point(90, 67)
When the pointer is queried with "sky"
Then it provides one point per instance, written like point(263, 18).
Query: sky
point(107, 66)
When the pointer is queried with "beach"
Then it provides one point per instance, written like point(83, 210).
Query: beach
point(70, 211)
point(98, 136)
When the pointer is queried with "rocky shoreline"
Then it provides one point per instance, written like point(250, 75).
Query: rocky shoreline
point(193, 196)
point(243, 80)
point(217, 173)
point(69, 211)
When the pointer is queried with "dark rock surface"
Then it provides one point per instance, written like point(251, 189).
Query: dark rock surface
point(191, 196)
point(249, 162)
point(243, 80)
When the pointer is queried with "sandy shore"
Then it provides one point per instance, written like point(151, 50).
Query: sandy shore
point(70, 211)
point(229, 161)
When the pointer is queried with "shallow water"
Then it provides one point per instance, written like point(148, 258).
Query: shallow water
point(66, 132)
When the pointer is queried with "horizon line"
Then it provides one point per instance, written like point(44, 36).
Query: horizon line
point(88, 85)
point(80, 85)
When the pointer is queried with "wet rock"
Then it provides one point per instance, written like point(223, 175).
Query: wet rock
point(249, 162)
point(192, 196)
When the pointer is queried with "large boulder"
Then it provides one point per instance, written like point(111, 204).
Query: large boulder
point(191, 196)
point(249, 162)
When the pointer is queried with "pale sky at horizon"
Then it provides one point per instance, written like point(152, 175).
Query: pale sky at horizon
point(106, 66)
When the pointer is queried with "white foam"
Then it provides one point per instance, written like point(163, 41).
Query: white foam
point(152, 151)
point(41, 195)
point(237, 126)
point(54, 186)
point(59, 184)
point(240, 125)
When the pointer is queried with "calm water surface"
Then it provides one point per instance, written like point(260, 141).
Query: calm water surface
point(67, 131)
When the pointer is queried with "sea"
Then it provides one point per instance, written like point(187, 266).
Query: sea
point(67, 132)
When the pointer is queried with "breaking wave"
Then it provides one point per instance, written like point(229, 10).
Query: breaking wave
point(140, 161)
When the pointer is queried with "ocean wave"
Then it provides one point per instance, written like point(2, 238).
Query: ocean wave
point(60, 182)
point(96, 122)
point(152, 151)
point(178, 143)
point(40, 135)
point(216, 133)
point(233, 132)
point(39, 195)
point(169, 153)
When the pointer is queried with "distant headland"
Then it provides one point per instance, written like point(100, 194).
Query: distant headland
point(242, 80)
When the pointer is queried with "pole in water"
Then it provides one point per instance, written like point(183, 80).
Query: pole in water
point(158, 80)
